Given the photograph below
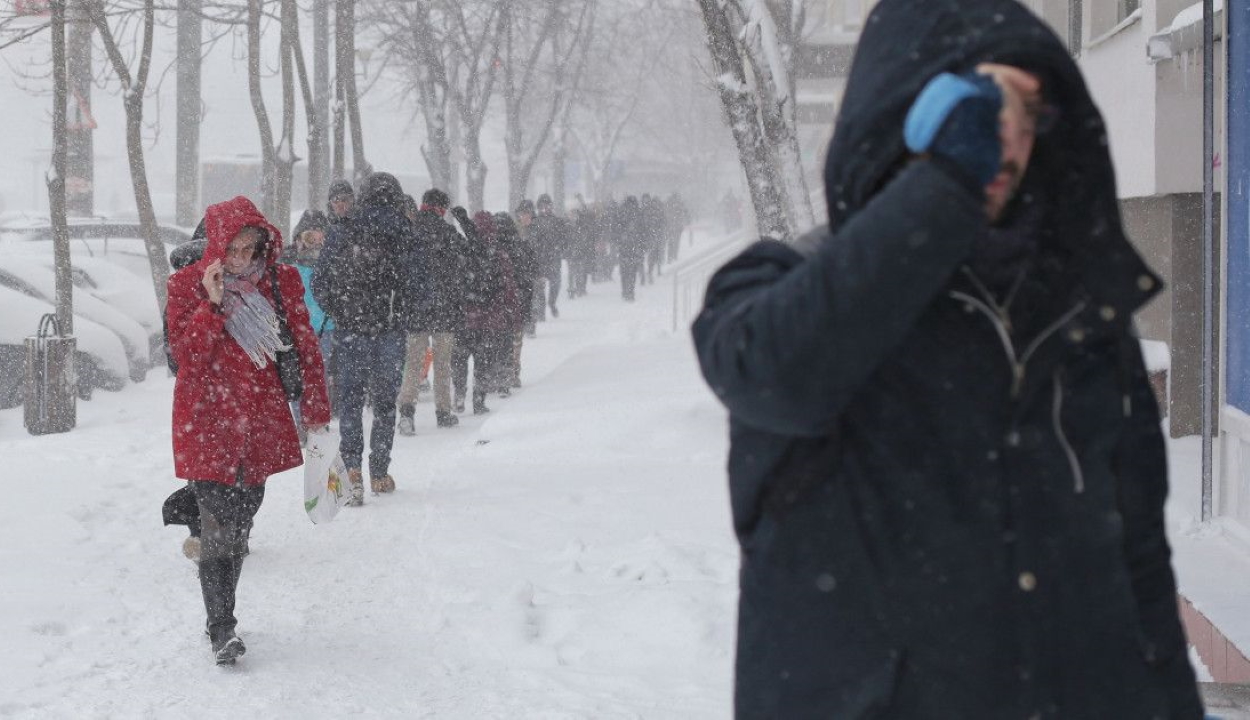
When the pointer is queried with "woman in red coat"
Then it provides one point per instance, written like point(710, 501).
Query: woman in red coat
point(232, 426)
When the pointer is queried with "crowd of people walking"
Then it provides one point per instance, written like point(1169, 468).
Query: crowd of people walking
point(399, 297)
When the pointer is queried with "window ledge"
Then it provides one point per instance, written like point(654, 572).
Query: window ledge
point(1132, 19)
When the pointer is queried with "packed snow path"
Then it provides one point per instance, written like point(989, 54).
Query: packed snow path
point(569, 555)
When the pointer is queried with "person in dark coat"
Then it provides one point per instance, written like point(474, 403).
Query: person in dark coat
point(676, 220)
point(946, 466)
point(490, 311)
point(525, 268)
point(652, 229)
point(605, 246)
point(447, 253)
point(232, 428)
point(585, 236)
point(552, 236)
point(630, 230)
point(340, 201)
point(368, 279)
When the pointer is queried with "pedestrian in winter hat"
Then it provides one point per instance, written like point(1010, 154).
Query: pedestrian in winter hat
point(370, 281)
point(946, 466)
point(341, 200)
point(232, 428)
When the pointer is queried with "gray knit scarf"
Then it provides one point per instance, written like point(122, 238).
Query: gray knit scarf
point(250, 319)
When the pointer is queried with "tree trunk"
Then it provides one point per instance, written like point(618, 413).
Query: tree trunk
point(559, 164)
point(56, 178)
point(316, 130)
point(268, 162)
point(475, 169)
point(132, 99)
point(80, 161)
point(284, 156)
point(187, 162)
point(455, 156)
point(343, 69)
point(767, 196)
point(319, 145)
point(360, 166)
point(775, 85)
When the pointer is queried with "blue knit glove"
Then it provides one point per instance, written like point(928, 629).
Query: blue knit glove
point(956, 117)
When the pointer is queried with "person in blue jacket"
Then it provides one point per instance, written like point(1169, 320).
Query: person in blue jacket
point(310, 239)
point(946, 466)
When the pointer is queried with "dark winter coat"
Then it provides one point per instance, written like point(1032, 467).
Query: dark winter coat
point(947, 511)
point(552, 237)
point(371, 275)
point(585, 237)
point(227, 413)
point(496, 303)
point(524, 263)
point(631, 232)
point(446, 251)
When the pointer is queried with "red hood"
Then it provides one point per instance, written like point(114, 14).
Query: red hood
point(224, 220)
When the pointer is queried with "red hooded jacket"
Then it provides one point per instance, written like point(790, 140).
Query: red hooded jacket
point(227, 413)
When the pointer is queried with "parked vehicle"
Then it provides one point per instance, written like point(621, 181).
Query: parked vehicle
point(101, 360)
point(30, 276)
point(122, 290)
point(119, 242)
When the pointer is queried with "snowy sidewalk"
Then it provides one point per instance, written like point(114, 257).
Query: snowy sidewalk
point(569, 555)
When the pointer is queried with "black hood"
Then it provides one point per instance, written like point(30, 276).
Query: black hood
point(904, 44)
point(382, 190)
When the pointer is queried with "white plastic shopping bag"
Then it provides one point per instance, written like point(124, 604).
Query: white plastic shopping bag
point(325, 476)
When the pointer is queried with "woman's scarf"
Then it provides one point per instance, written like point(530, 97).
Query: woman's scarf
point(250, 319)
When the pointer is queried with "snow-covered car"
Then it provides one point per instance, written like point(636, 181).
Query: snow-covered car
point(119, 242)
point(32, 276)
point(122, 290)
point(100, 362)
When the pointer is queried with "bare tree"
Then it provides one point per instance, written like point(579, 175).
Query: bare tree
point(268, 171)
point(56, 178)
point(80, 161)
point(743, 113)
point(133, 89)
point(769, 36)
point(319, 116)
point(314, 117)
point(623, 62)
point(523, 50)
point(408, 31)
point(347, 95)
point(475, 47)
point(187, 160)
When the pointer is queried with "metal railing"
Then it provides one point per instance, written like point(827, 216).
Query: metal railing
point(691, 276)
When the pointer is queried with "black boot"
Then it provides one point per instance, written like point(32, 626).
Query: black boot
point(219, 578)
point(479, 404)
point(446, 419)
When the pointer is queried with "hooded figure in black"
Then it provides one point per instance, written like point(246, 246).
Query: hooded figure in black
point(946, 466)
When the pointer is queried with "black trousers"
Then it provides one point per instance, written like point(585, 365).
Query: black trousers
point(226, 513)
point(491, 352)
point(631, 268)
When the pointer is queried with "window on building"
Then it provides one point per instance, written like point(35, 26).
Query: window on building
point(1104, 15)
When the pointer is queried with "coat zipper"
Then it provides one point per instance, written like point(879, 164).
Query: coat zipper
point(1078, 476)
point(1001, 321)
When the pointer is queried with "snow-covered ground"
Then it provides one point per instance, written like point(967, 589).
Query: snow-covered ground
point(569, 555)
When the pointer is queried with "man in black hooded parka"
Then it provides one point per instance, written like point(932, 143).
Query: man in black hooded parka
point(946, 466)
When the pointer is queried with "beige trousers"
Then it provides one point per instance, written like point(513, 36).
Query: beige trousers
point(514, 369)
point(444, 343)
